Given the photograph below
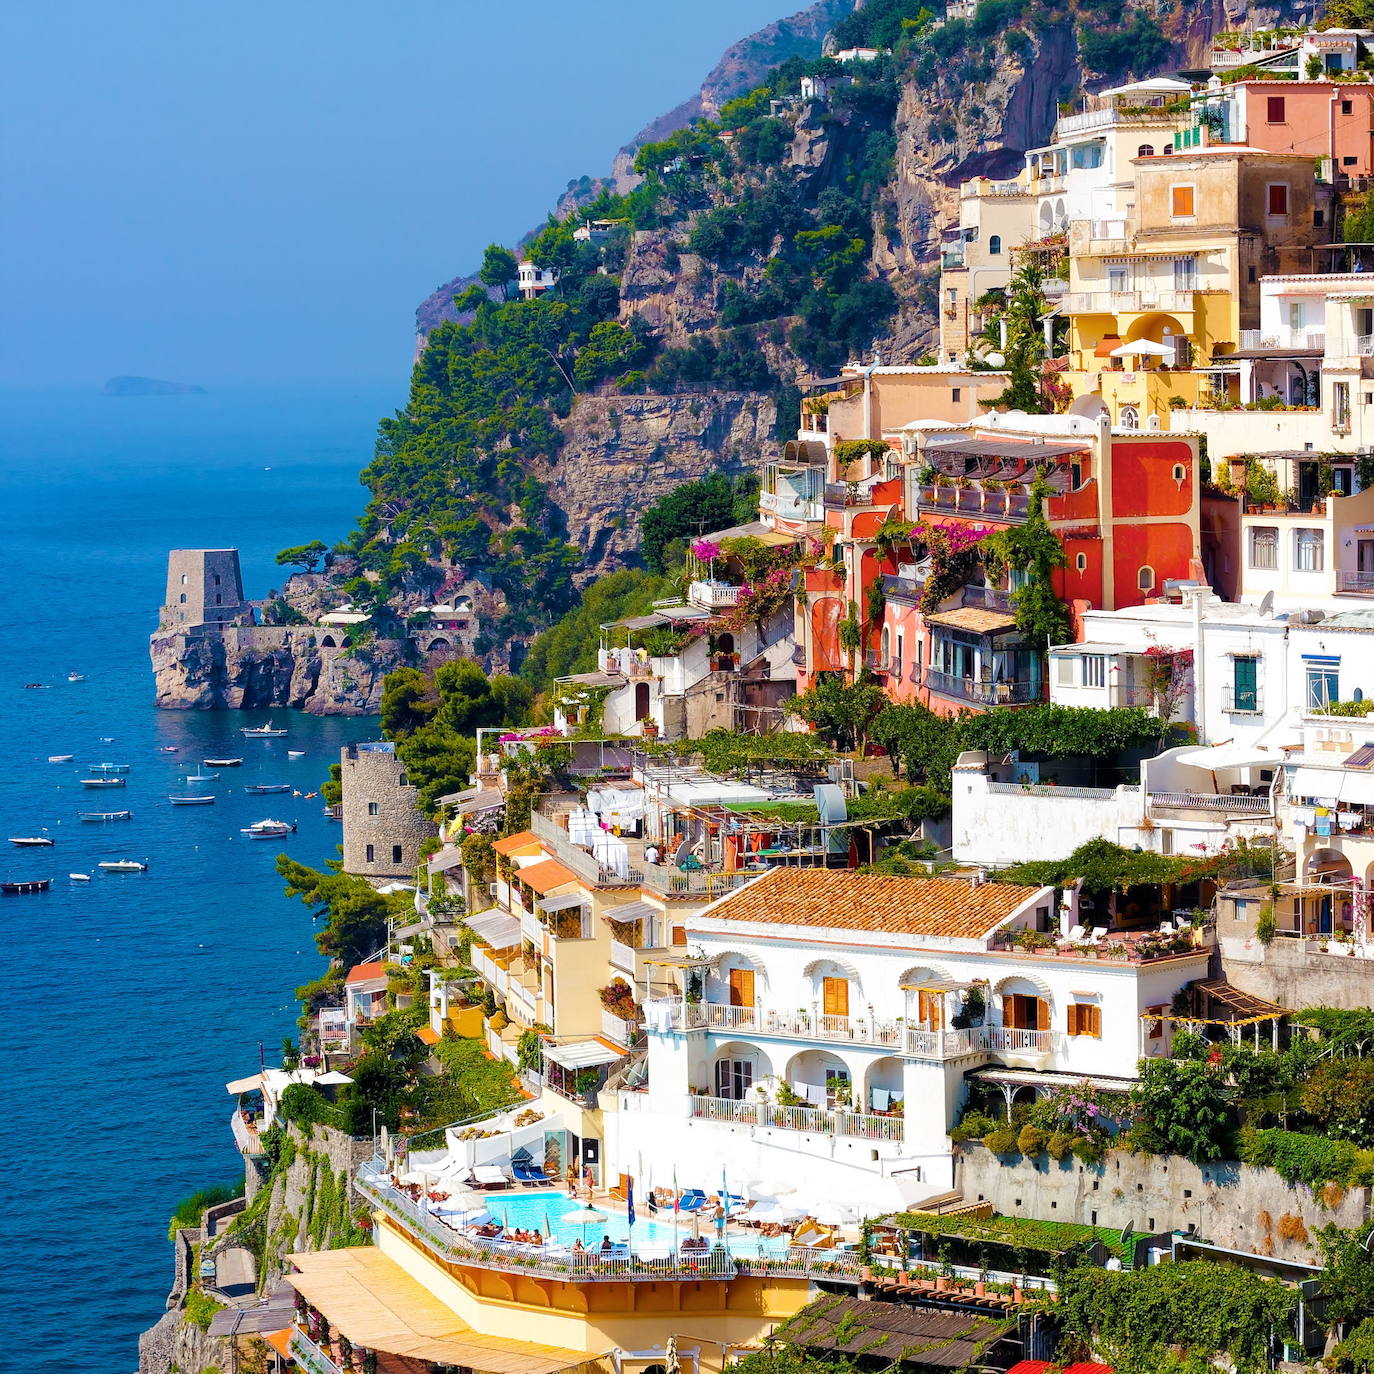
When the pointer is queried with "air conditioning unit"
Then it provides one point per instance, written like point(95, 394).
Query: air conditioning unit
point(492, 889)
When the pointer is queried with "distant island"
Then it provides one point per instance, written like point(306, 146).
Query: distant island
point(149, 386)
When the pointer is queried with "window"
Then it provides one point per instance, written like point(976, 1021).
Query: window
point(1264, 547)
point(1245, 684)
point(183, 596)
point(1308, 550)
point(1276, 199)
point(1180, 473)
point(184, 579)
point(395, 853)
point(955, 393)
point(741, 984)
point(734, 1078)
point(1086, 156)
point(217, 579)
point(901, 654)
point(218, 599)
point(1349, 161)
point(952, 297)
point(373, 809)
point(1276, 109)
point(1323, 682)
point(1063, 671)
point(1130, 417)
point(1181, 202)
point(1347, 107)
point(1094, 670)
point(1085, 1018)
point(371, 854)
point(1185, 274)
point(1023, 1012)
point(1340, 405)
point(995, 244)
point(1318, 218)
point(1145, 150)
point(1080, 562)
point(1250, 275)
point(1145, 578)
point(403, 780)
point(930, 1009)
point(1118, 278)
point(835, 996)
point(1297, 315)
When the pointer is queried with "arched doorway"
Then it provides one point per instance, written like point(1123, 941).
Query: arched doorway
point(328, 642)
point(438, 646)
point(883, 1087)
point(736, 1067)
point(822, 1078)
point(725, 657)
point(641, 701)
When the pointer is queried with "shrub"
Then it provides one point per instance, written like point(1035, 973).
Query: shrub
point(974, 1126)
point(1060, 1144)
point(1032, 1140)
point(1002, 1141)
point(1089, 1150)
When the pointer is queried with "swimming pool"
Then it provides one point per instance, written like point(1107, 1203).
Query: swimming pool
point(544, 1211)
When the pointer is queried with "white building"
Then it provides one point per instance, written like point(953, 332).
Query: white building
point(822, 1025)
point(533, 280)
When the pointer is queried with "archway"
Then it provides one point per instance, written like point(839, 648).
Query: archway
point(1026, 1004)
point(736, 1067)
point(822, 1078)
point(437, 646)
point(883, 1086)
point(835, 987)
point(641, 700)
point(328, 642)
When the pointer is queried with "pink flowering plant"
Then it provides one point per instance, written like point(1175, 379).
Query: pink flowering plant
point(705, 550)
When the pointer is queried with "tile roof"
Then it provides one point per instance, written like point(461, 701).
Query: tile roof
point(844, 900)
point(513, 844)
point(365, 973)
point(544, 877)
point(974, 618)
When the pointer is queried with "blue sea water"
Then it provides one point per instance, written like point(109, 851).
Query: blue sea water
point(130, 1000)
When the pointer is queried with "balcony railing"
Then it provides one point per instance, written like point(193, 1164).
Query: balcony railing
point(1283, 337)
point(308, 1355)
point(1354, 581)
point(1011, 504)
point(245, 1135)
point(623, 1032)
point(982, 693)
point(1242, 701)
point(1117, 302)
point(787, 506)
point(712, 595)
point(1208, 801)
point(623, 957)
point(816, 1120)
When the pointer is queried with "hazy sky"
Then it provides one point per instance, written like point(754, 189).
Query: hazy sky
point(263, 190)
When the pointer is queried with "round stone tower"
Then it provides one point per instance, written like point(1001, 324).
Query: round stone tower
point(204, 587)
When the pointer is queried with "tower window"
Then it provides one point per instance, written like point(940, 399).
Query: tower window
point(994, 245)
point(395, 853)
point(371, 854)
point(373, 809)
point(183, 596)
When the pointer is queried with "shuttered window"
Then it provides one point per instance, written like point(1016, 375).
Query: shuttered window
point(1085, 1018)
point(741, 987)
point(835, 996)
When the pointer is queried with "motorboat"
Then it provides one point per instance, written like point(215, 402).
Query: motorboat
point(167, 748)
point(267, 830)
point(207, 800)
point(31, 841)
point(103, 782)
point(123, 865)
point(79, 877)
point(94, 816)
point(201, 777)
point(259, 788)
point(222, 763)
point(19, 889)
point(295, 753)
point(263, 732)
point(110, 767)
point(60, 758)
point(76, 677)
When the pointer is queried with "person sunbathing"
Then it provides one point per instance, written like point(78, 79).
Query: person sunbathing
point(536, 1237)
point(578, 1248)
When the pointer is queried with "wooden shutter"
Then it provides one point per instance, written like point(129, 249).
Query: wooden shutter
point(1073, 1009)
point(741, 987)
point(930, 1010)
point(1181, 201)
point(835, 996)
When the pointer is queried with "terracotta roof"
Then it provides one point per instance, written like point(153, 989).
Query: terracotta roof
point(544, 877)
point(843, 900)
point(974, 618)
point(280, 1341)
point(513, 844)
point(365, 973)
point(428, 1034)
point(1042, 1366)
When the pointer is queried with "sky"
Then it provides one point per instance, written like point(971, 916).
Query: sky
point(262, 191)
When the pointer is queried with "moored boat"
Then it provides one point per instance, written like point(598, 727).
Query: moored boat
point(295, 753)
point(258, 788)
point(32, 841)
point(20, 888)
point(207, 800)
point(267, 830)
point(123, 865)
point(60, 758)
point(222, 763)
point(201, 777)
point(76, 677)
point(103, 782)
point(107, 816)
point(79, 877)
point(263, 732)
point(110, 767)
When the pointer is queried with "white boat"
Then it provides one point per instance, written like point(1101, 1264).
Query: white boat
point(123, 866)
point(295, 753)
point(76, 677)
point(201, 777)
point(168, 748)
point(110, 767)
point(261, 787)
point(207, 800)
point(222, 763)
point(60, 758)
point(267, 830)
point(94, 816)
point(31, 841)
point(263, 732)
point(79, 877)
point(103, 782)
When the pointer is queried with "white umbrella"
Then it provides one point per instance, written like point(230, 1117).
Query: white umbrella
point(1143, 348)
point(777, 1214)
point(832, 1214)
point(420, 1176)
point(583, 1216)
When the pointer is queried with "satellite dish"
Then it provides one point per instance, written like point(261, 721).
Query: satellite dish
point(1267, 604)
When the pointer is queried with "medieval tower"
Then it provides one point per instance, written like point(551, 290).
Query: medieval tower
point(204, 588)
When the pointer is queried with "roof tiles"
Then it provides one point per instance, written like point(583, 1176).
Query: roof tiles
point(513, 844)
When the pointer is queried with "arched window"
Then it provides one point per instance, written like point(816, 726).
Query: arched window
point(1130, 417)
point(885, 644)
point(641, 700)
point(994, 245)
point(1145, 150)
point(1080, 562)
point(1180, 473)
point(1145, 578)
point(183, 596)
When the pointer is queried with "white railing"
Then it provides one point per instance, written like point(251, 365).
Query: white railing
point(1008, 1039)
point(816, 1120)
point(1207, 801)
point(308, 1355)
point(618, 1029)
point(712, 595)
point(623, 957)
point(1364, 345)
point(1115, 302)
point(245, 1135)
point(488, 968)
point(791, 507)
point(522, 1001)
point(1090, 119)
point(622, 660)
point(532, 929)
point(1283, 337)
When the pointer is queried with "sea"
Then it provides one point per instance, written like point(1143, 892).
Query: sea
point(131, 999)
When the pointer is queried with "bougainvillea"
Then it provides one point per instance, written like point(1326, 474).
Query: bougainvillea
point(954, 552)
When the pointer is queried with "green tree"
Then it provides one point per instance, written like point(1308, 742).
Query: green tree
point(409, 701)
point(1025, 340)
point(841, 712)
point(354, 912)
point(694, 509)
point(1339, 1096)
point(1033, 550)
point(1183, 1107)
point(610, 351)
point(499, 269)
point(306, 556)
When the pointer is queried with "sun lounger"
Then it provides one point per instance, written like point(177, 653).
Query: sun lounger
point(529, 1173)
point(490, 1176)
point(692, 1200)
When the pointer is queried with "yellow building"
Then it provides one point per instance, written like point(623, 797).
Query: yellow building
point(1179, 278)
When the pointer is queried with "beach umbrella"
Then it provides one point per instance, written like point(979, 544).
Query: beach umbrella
point(833, 1214)
point(777, 1214)
point(584, 1217)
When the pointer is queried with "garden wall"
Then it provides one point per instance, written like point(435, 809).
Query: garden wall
point(1230, 1204)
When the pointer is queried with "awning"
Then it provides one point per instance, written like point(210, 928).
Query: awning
point(487, 799)
point(444, 860)
point(1105, 345)
point(563, 903)
point(369, 1298)
point(499, 929)
point(1245, 1004)
point(333, 1079)
point(245, 1085)
point(1323, 784)
point(632, 911)
point(974, 619)
point(1216, 756)
point(1089, 647)
point(1357, 788)
point(583, 1054)
point(1142, 348)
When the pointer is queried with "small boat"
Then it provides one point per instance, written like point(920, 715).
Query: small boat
point(267, 830)
point(18, 889)
point(192, 801)
point(103, 782)
point(34, 687)
point(76, 677)
point(260, 787)
point(263, 732)
point(167, 749)
point(110, 767)
point(107, 739)
point(123, 865)
point(222, 763)
point(60, 758)
point(31, 841)
point(295, 753)
point(94, 816)
point(79, 877)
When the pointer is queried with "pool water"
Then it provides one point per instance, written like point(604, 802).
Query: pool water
point(544, 1212)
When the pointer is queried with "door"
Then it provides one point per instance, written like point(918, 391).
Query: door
point(741, 987)
point(1247, 684)
point(734, 1078)
point(930, 1010)
point(835, 996)
point(1364, 555)
point(1023, 1012)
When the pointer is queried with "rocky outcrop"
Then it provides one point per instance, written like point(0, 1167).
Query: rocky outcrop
point(623, 452)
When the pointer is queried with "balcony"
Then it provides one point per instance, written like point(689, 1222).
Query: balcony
point(616, 1028)
point(1360, 583)
point(245, 1134)
point(786, 505)
point(1127, 302)
point(1011, 504)
point(713, 595)
point(815, 1120)
point(1283, 337)
point(308, 1356)
point(624, 958)
point(1239, 805)
point(1242, 701)
point(624, 661)
point(981, 693)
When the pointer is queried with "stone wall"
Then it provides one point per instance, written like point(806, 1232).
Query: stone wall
point(1231, 1205)
point(374, 780)
point(1293, 973)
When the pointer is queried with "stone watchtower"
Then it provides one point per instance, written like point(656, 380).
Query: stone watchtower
point(382, 824)
point(204, 588)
